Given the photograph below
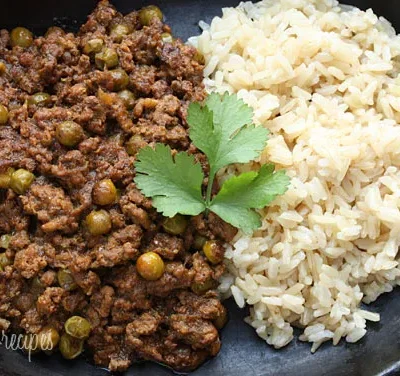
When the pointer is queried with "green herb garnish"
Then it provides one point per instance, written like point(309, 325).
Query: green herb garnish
point(222, 129)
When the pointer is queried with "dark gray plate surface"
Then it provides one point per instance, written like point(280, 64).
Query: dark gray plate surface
point(243, 353)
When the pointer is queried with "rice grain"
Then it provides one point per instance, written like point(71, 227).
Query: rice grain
point(323, 78)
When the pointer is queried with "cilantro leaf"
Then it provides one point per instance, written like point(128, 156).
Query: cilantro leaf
point(250, 190)
point(245, 146)
point(174, 184)
point(201, 133)
point(222, 130)
point(230, 113)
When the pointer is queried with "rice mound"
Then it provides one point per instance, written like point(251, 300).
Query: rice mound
point(323, 78)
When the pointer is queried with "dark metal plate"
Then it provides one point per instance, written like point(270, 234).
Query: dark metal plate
point(243, 353)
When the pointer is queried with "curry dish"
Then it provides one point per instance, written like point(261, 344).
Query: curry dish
point(87, 260)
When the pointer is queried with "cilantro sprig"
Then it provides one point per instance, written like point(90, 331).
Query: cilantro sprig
point(222, 129)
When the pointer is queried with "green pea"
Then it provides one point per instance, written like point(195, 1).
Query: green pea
point(48, 338)
point(213, 251)
point(146, 14)
point(3, 114)
point(5, 241)
point(21, 37)
point(77, 327)
point(93, 46)
point(36, 284)
point(37, 287)
point(119, 31)
point(167, 38)
point(120, 79)
point(5, 178)
point(98, 222)
point(199, 242)
point(200, 288)
point(39, 99)
point(69, 133)
point(134, 144)
point(128, 98)
point(66, 280)
point(150, 266)
point(70, 347)
point(175, 225)
point(104, 192)
point(21, 180)
point(107, 58)
point(4, 260)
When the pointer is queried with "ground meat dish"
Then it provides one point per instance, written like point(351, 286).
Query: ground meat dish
point(62, 78)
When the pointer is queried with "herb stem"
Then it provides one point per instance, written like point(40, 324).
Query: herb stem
point(211, 178)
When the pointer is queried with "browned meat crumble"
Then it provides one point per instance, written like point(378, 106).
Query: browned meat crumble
point(131, 318)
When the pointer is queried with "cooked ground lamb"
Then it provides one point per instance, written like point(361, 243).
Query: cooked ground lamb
point(75, 109)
